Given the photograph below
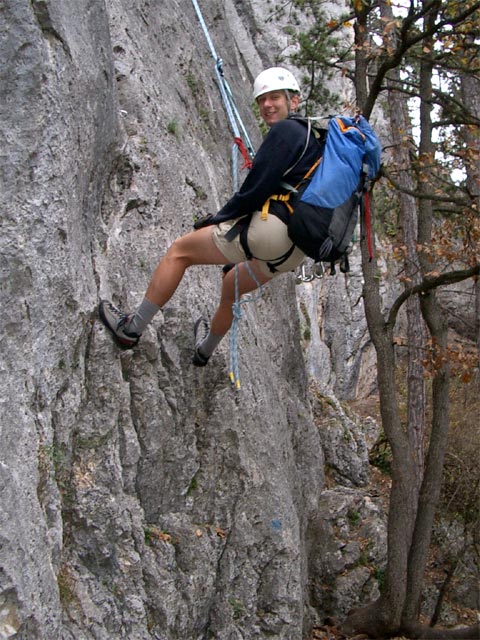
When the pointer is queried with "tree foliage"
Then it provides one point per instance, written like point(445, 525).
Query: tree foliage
point(328, 49)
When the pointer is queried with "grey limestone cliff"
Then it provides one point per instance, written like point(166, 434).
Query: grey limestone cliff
point(139, 497)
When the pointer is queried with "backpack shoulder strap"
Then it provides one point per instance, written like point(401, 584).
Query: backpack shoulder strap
point(312, 129)
point(304, 150)
point(291, 190)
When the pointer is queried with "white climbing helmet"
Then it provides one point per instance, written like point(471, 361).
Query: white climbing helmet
point(274, 79)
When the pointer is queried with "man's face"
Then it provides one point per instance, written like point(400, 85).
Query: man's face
point(273, 106)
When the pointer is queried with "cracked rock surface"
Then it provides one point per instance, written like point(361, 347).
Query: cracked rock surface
point(141, 497)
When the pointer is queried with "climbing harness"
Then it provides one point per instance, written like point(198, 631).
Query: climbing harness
point(241, 139)
point(234, 372)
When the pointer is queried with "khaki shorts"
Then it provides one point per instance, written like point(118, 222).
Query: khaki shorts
point(267, 239)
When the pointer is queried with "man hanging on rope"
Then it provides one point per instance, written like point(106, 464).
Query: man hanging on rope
point(239, 233)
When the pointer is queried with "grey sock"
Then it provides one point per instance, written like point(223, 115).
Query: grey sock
point(208, 346)
point(142, 317)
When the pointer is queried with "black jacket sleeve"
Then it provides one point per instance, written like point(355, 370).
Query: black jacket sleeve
point(281, 148)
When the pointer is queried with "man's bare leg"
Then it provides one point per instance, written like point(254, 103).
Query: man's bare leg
point(197, 248)
point(223, 316)
point(208, 338)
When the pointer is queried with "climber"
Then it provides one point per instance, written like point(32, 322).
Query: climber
point(238, 232)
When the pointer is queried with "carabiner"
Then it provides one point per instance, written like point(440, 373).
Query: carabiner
point(318, 270)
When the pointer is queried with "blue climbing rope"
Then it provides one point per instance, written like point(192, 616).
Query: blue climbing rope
point(234, 370)
point(242, 141)
point(242, 144)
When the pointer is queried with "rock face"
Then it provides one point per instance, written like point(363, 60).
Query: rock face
point(139, 497)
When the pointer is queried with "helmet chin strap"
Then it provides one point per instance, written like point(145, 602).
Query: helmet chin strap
point(288, 95)
point(289, 102)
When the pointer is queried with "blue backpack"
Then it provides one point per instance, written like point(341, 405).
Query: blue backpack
point(325, 206)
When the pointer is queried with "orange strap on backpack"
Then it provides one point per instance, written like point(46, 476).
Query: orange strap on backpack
point(286, 197)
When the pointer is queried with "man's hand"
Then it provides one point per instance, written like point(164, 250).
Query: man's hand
point(204, 221)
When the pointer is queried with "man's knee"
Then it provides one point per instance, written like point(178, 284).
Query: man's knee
point(228, 288)
point(179, 251)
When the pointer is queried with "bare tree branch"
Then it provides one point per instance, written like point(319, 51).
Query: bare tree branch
point(429, 283)
point(460, 202)
point(405, 43)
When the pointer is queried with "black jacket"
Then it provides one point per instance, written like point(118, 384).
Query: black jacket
point(282, 147)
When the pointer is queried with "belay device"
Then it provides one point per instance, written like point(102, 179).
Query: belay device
point(325, 212)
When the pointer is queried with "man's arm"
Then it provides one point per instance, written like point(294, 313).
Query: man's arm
point(282, 146)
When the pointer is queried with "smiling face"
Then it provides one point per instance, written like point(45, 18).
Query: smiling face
point(274, 106)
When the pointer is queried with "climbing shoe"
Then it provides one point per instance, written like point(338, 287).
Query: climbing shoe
point(200, 331)
point(115, 321)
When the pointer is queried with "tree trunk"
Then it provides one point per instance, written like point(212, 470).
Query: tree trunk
point(470, 91)
point(430, 491)
point(384, 616)
point(415, 489)
point(401, 131)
